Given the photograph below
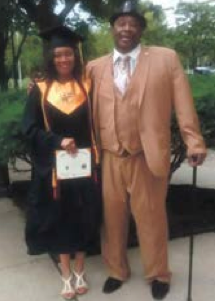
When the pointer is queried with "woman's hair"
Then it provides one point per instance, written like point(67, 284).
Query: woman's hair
point(50, 69)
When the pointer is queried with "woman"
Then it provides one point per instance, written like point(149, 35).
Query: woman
point(63, 216)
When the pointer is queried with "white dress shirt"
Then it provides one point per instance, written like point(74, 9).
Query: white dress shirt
point(120, 76)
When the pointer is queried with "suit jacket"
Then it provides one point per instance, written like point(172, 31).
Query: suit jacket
point(161, 86)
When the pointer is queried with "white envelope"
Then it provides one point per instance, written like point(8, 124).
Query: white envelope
point(69, 166)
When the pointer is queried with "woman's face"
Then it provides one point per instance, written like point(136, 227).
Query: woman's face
point(64, 61)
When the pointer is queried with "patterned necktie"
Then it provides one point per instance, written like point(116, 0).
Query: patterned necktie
point(125, 72)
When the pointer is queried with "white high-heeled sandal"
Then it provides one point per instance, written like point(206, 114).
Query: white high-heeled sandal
point(80, 283)
point(68, 291)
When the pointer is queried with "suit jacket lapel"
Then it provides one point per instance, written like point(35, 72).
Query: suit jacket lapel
point(139, 77)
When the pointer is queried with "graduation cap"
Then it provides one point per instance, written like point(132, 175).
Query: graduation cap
point(61, 36)
point(129, 8)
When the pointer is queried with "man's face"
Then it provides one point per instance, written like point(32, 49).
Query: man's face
point(126, 32)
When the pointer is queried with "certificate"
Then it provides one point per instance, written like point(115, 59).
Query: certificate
point(72, 166)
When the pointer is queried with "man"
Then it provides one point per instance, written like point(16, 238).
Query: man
point(132, 106)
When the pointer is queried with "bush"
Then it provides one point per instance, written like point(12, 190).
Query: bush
point(203, 90)
point(11, 110)
point(203, 87)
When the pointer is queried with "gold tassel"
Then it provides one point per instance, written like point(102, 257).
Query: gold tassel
point(54, 184)
point(81, 53)
point(95, 149)
point(80, 50)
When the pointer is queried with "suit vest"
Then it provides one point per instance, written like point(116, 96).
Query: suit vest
point(118, 113)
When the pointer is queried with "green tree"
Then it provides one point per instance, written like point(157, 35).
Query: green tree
point(12, 20)
point(42, 13)
point(98, 41)
point(32, 56)
point(156, 32)
point(194, 35)
point(4, 37)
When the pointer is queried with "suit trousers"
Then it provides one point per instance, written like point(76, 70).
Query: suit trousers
point(129, 187)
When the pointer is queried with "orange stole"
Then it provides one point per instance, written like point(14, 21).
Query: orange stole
point(76, 97)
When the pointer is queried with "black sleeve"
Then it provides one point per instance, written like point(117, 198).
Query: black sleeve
point(41, 143)
point(33, 124)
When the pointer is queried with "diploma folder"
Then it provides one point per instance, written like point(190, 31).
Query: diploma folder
point(73, 166)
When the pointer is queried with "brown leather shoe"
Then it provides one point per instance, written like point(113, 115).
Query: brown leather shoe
point(111, 284)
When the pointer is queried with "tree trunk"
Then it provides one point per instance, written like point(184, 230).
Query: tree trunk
point(14, 66)
point(3, 72)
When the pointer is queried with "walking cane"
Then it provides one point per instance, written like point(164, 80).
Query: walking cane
point(190, 276)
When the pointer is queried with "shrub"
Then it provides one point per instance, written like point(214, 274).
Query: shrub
point(204, 95)
point(203, 90)
point(11, 110)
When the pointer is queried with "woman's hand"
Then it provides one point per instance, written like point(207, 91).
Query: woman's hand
point(69, 145)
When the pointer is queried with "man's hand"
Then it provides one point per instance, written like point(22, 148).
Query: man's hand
point(30, 86)
point(36, 78)
point(196, 159)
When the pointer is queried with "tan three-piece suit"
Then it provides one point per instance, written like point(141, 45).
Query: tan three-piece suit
point(133, 132)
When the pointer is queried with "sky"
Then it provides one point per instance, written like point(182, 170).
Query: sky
point(166, 3)
point(169, 6)
point(173, 3)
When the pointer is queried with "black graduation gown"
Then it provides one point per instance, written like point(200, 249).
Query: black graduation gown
point(71, 223)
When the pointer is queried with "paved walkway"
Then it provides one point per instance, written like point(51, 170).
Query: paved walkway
point(205, 173)
point(26, 278)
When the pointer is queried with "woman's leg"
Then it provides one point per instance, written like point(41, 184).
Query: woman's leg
point(79, 262)
point(65, 265)
point(80, 284)
point(68, 291)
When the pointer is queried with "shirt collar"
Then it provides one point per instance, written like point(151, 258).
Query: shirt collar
point(133, 53)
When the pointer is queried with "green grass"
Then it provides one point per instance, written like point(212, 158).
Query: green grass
point(203, 86)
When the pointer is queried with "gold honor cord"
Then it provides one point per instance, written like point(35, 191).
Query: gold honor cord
point(81, 53)
point(47, 126)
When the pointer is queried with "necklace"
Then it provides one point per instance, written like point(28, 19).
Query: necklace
point(66, 92)
point(66, 96)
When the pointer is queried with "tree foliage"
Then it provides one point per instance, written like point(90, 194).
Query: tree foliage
point(12, 20)
point(11, 110)
point(193, 37)
point(20, 15)
point(194, 34)
point(204, 94)
point(42, 12)
point(156, 26)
